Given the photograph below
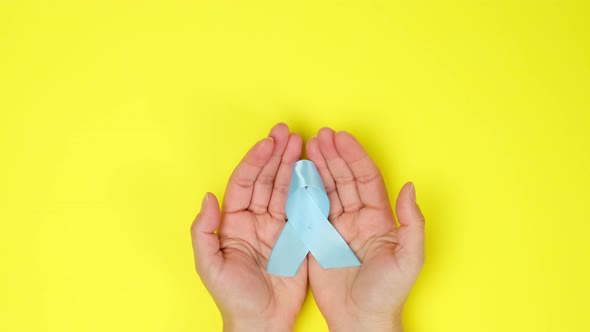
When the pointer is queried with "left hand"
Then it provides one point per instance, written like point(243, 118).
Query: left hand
point(369, 297)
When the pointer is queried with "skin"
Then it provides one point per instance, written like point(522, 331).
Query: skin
point(232, 245)
point(369, 297)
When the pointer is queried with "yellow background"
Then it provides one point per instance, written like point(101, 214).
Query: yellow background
point(117, 116)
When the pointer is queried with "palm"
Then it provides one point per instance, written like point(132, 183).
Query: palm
point(246, 286)
point(375, 244)
point(232, 261)
point(361, 212)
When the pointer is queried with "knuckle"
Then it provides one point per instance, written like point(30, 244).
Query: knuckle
point(343, 179)
point(353, 207)
point(281, 187)
point(368, 178)
point(265, 179)
point(242, 182)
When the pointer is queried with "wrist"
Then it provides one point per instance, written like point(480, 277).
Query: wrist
point(257, 324)
point(376, 323)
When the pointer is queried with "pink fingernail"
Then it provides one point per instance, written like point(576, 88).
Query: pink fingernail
point(204, 201)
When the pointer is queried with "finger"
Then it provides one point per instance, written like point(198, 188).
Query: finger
point(280, 190)
point(368, 178)
point(264, 182)
point(241, 183)
point(345, 184)
point(205, 241)
point(313, 153)
point(411, 231)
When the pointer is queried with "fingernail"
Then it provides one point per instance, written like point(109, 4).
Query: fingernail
point(412, 192)
point(204, 201)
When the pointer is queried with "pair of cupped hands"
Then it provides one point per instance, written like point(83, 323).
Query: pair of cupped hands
point(232, 245)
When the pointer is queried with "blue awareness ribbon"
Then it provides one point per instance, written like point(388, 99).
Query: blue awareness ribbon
point(307, 228)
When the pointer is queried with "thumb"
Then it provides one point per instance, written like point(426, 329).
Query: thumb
point(205, 241)
point(411, 231)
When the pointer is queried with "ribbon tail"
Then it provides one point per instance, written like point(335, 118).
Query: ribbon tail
point(322, 239)
point(330, 249)
point(287, 254)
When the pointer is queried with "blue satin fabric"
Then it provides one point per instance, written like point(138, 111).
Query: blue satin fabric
point(307, 228)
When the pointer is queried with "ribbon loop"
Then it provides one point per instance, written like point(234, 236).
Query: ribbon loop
point(307, 228)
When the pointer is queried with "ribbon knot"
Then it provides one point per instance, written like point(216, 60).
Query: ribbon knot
point(307, 228)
